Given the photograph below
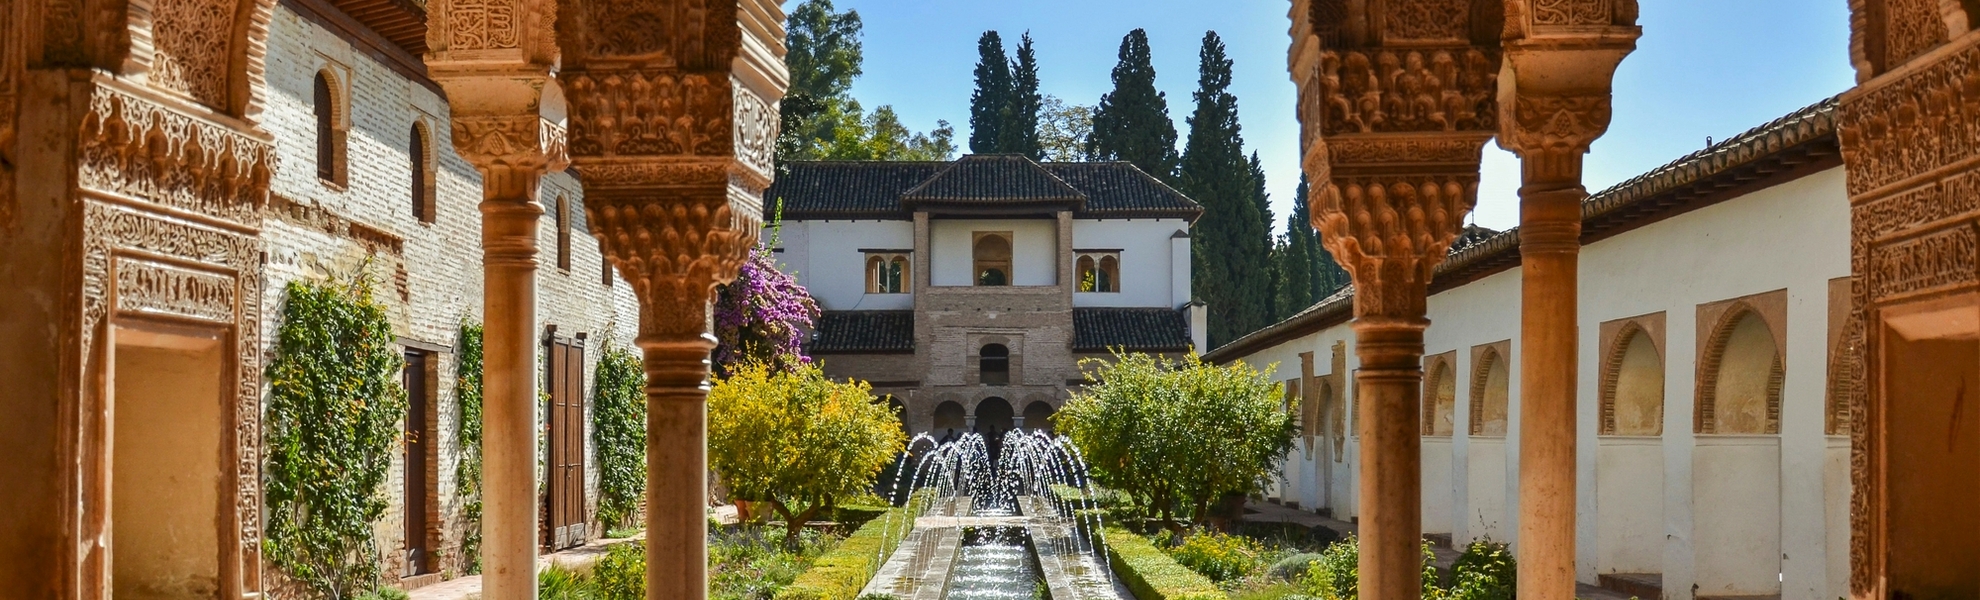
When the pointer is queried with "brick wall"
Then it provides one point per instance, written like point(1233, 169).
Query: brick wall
point(430, 274)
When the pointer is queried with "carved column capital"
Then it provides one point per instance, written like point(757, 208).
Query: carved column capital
point(1389, 231)
point(1561, 59)
point(520, 141)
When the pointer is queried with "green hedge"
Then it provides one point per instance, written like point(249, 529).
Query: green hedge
point(1151, 574)
point(841, 573)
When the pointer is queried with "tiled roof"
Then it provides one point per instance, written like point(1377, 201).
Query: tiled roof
point(811, 190)
point(993, 179)
point(1787, 147)
point(1134, 329)
point(847, 189)
point(863, 332)
point(1121, 188)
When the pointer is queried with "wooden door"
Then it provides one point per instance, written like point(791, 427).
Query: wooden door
point(419, 505)
point(565, 505)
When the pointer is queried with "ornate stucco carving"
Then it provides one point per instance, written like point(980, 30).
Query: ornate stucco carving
point(1390, 232)
point(138, 148)
point(637, 112)
point(672, 253)
point(1917, 123)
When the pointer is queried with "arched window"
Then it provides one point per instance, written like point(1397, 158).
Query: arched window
point(1099, 271)
point(1440, 400)
point(563, 210)
point(992, 253)
point(886, 273)
point(1740, 392)
point(420, 154)
point(1491, 392)
point(1633, 386)
point(993, 364)
point(329, 130)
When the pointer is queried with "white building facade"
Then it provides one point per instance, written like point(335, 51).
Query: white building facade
point(968, 291)
point(1713, 432)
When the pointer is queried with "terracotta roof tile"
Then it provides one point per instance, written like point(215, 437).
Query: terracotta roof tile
point(1134, 329)
point(811, 190)
point(863, 332)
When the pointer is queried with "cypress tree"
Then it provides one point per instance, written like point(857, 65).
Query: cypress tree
point(992, 97)
point(1298, 289)
point(1018, 134)
point(1233, 240)
point(1132, 122)
point(1323, 274)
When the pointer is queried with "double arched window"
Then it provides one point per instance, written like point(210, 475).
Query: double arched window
point(887, 273)
point(1098, 271)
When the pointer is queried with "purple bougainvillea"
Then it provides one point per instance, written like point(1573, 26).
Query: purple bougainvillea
point(762, 316)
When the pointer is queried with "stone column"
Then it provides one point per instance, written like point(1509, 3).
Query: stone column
point(1395, 108)
point(1557, 103)
point(496, 74)
point(673, 126)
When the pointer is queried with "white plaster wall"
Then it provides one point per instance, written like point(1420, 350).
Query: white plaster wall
point(1736, 487)
point(1792, 236)
point(1147, 269)
point(826, 258)
point(1439, 508)
point(1630, 489)
point(1034, 250)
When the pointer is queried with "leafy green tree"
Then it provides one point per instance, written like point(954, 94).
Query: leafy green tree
point(1132, 122)
point(618, 427)
point(334, 410)
point(992, 96)
point(819, 117)
point(1063, 129)
point(1019, 132)
point(1178, 432)
point(797, 440)
point(1233, 237)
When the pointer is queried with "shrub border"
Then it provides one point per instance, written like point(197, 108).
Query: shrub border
point(843, 572)
point(1151, 574)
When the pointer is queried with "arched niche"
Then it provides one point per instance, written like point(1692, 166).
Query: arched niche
point(993, 364)
point(1491, 393)
point(1739, 391)
point(1440, 397)
point(1632, 391)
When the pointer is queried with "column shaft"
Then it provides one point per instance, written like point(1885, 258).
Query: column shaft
point(677, 464)
point(509, 518)
point(1550, 243)
point(1391, 527)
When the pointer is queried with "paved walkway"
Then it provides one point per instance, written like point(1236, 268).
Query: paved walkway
point(579, 558)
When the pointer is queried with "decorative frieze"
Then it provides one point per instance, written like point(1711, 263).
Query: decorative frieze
point(1947, 258)
point(135, 147)
point(1922, 122)
point(146, 287)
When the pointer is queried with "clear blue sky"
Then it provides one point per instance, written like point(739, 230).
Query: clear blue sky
point(1703, 68)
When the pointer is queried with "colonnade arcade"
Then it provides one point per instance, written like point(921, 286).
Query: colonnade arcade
point(1396, 99)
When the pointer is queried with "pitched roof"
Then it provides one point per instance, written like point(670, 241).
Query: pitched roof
point(863, 332)
point(1134, 329)
point(813, 190)
point(1796, 145)
point(992, 180)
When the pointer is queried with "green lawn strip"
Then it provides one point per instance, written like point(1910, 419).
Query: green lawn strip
point(841, 573)
point(1151, 574)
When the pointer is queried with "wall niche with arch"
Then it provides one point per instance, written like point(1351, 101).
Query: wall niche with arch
point(1438, 458)
point(1486, 513)
point(1736, 461)
point(1629, 458)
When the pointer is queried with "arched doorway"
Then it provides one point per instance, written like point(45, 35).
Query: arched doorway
point(950, 421)
point(993, 419)
point(1038, 416)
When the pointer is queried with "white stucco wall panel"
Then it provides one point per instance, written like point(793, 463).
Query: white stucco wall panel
point(1034, 250)
point(1486, 515)
point(1146, 261)
point(1736, 481)
point(1630, 491)
point(828, 258)
point(1439, 503)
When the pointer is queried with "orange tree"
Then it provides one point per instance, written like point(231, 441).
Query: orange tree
point(793, 439)
point(1171, 432)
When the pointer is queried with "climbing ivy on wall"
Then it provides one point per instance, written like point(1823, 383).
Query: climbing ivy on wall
point(467, 472)
point(619, 428)
point(332, 429)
